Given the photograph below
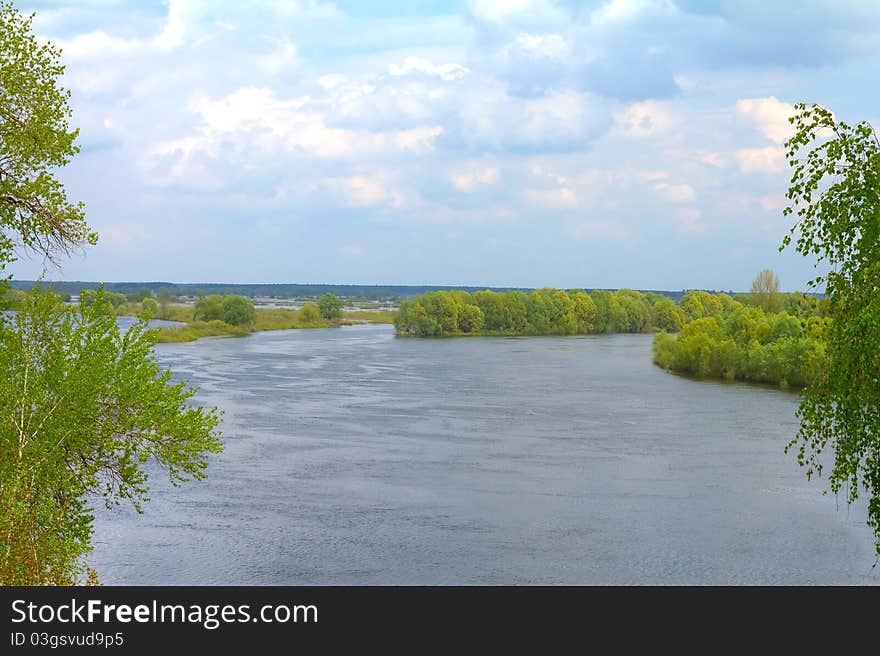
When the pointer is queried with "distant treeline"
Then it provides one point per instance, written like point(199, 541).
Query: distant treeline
point(550, 311)
point(785, 347)
point(370, 292)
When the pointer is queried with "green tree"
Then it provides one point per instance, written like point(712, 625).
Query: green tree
point(602, 301)
point(35, 140)
point(150, 307)
point(835, 196)
point(412, 319)
point(209, 308)
point(140, 295)
point(164, 299)
point(237, 310)
point(470, 319)
point(82, 406)
point(330, 306)
point(668, 316)
point(765, 291)
point(492, 306)
point(584, 312)
point(310, 314)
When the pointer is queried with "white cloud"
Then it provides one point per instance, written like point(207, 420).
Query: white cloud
point(564, 196)
point(498, 11)
point(644, 119)
point(284, 58)
point(618, 12)
point(360, 191)
point(653, 176)
point(252, 123)
point(446, 72)
point(551, 46)
point(770, 159)
point(770, 114)
point(470, 179)
point(99, 44)
point(681, 193)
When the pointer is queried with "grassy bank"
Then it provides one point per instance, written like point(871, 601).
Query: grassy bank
point(266, 319)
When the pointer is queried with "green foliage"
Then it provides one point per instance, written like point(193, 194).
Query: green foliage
point(584, 312)
point(698, 304)
point(35, 140)
point(232, 309)
point(470, 319)
point(330, 306)
point(82, 408)
point(150, 307)
point(310, 314)
point(544, 311)
point(668, 316)
point(140, 296)
point(237, 310)
point(765, 292)
point(746, 344)
point(115, 302)
point(209, 308)
point(834, 195)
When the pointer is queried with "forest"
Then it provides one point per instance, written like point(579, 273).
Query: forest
point(551, 311)
point(763, 336)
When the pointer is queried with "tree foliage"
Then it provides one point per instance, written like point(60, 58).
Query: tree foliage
point(82, 408)
point(545, 311)
point(747, 344)
point(835, 197)
point(35, 140)
point(232, 309)
point(310, 314)
point(765, 291)
point(330, 306)
point(238, 311)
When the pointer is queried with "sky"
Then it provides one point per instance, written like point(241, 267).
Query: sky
point(622, 143)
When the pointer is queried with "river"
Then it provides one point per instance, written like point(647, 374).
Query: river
point(354, 457)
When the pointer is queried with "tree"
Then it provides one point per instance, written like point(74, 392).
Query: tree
point(584, 312)
point(330, 306)
point(310, 314)
point(237, 310)
point(668, 316)
point(470, 319)
point(140, 295)
point(209, 308)
point(82, 406)
point(835, 196)
point(35, 140)
point(150, 307)
point(164, 302)
point(765, 291)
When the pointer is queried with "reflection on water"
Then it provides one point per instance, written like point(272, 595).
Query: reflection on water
point(355, 457)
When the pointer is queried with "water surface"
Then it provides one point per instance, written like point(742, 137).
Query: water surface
point(354, 457)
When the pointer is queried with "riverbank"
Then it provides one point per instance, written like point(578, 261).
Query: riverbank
point(266, 320)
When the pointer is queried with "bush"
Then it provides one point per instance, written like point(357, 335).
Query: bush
point(330, 306)
point(238, 311)
point(310, 314)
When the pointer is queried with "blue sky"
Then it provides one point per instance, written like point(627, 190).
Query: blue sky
point(630, 143)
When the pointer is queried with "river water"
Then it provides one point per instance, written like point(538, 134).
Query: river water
point(354, 457)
